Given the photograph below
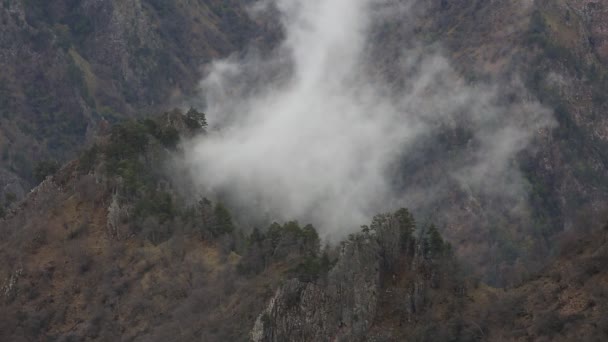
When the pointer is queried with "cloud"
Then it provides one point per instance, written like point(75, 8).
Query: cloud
point(312, 132)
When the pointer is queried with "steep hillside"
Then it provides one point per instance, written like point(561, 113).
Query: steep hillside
point(553, 51)
point(565, 302)
point(68, 65)
point(107, 248)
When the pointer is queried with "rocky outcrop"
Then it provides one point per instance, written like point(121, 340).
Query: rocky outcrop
point(342, 308)
point(384, 269)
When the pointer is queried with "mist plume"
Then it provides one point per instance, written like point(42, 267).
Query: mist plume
point(311, 132)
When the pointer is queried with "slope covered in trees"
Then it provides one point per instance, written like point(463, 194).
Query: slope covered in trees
point(108, 248)
point(114, 245)
point(69, 65)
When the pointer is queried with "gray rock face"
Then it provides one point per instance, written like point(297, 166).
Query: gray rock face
point(380, 271)
point(340, 309)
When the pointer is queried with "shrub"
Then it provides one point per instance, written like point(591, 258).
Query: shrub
point(195, 119)
point(548, 323)
point(88, 159)
point(77, 231)
point(9, 198)
point(158, 204)
point(169, 137)
point(127, 141)
point(44, 169)
point(436, 244)
point(311, 268)
point(222, 221)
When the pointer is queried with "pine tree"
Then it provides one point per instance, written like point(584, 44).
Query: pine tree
point(436, 244)
point(196, 119)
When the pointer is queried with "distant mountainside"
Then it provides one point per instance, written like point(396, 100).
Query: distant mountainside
point(68, 65)
point(557, 51)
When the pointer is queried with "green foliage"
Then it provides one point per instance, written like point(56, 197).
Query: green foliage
point(124, 154)
point(44, 169)
point(407, 225)
point(256, 237)
point(222, 222)
point(195, 119)
point(88, 159)
point(289, 241)
point(306, 239)
point(274, 234)
point(158, 204)
point(540, 35)
point(135, 176)
point(169, 137)
point(127, 141)
point(378, 221)
point(129, 155)
point(310, 237)
point(311, 268)
point(436, 246)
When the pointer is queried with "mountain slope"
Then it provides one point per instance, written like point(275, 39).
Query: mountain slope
point(112, 245)
point(68, 65)
point(107, 248)
point(546, 50)
point(564, 302)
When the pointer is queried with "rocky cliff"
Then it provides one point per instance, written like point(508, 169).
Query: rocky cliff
point(388, 272)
